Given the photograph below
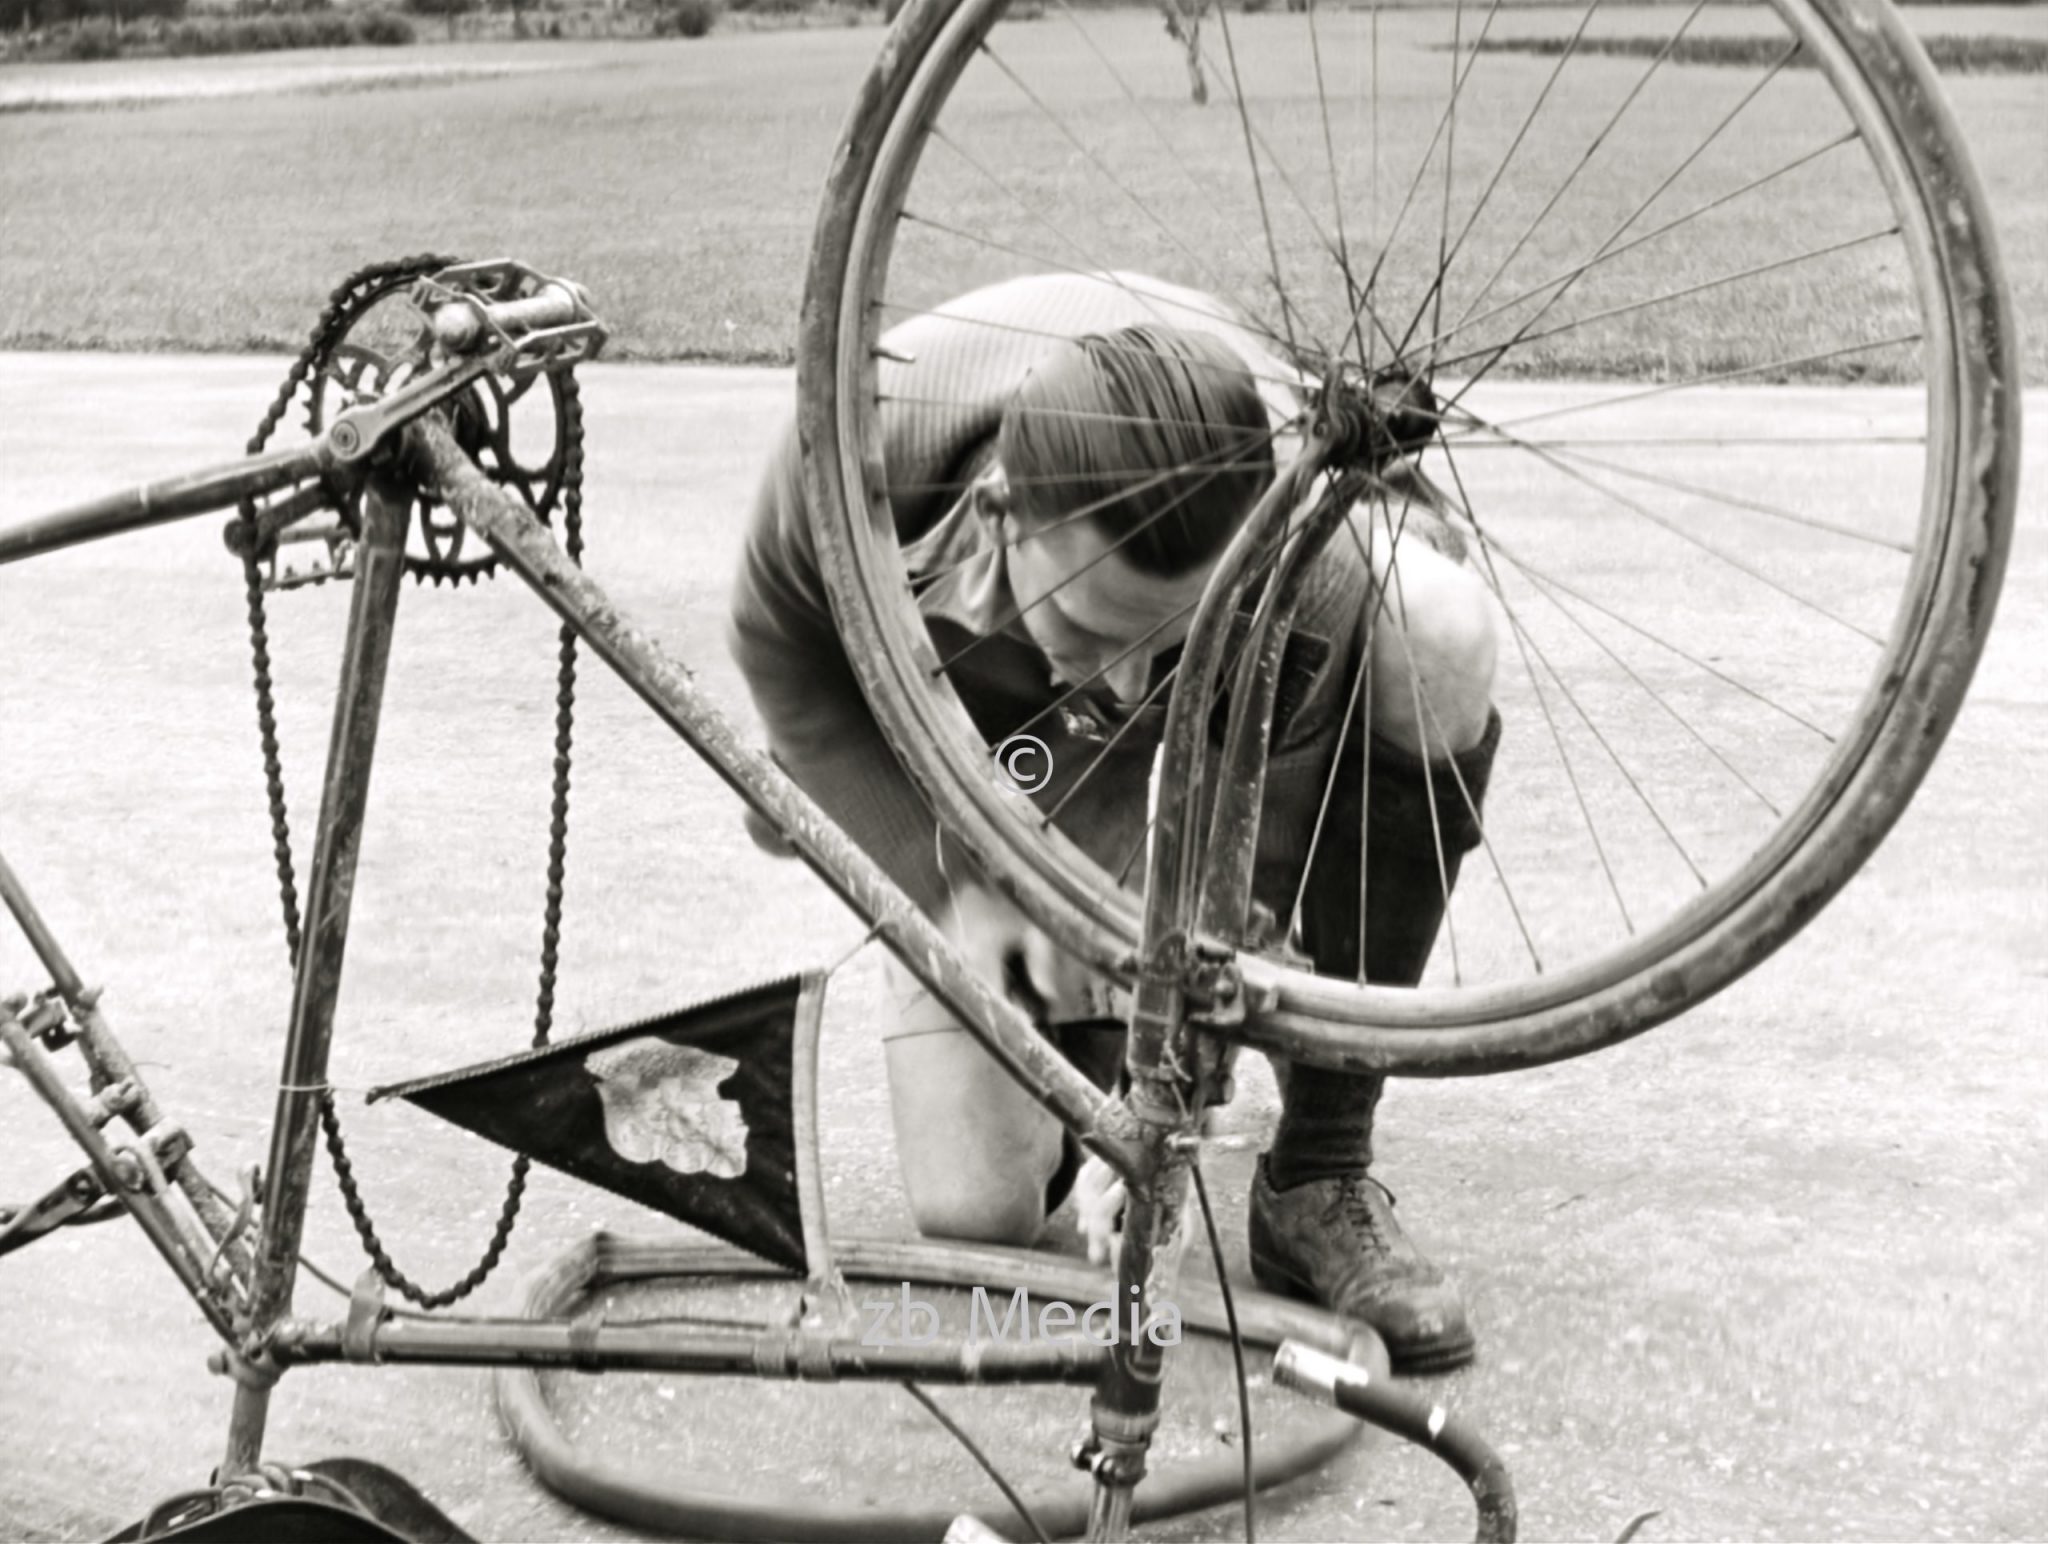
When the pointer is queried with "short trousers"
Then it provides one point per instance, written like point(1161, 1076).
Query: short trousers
point(1423, 817)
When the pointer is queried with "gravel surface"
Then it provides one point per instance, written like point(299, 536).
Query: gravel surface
point(1776, 1270)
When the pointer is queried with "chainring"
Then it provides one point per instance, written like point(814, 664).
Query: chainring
point(523, 435)
point(344, 361)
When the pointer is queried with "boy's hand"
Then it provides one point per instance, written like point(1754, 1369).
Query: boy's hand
point(1099, 1210)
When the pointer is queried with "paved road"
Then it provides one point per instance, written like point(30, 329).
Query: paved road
point(1777, 1270)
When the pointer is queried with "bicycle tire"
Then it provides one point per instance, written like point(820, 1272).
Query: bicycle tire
point(1883, 80)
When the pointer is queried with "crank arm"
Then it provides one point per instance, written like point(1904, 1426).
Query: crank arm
point(356, 433)
point(276, 519)
point(77, 1200)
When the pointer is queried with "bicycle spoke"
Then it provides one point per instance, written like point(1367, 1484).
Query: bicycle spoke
point(1039, 531)
point(1335, 248)
point(1592, 149)
point(1358, 682)
point(1465, 503)
point(1657, 697)
point(1609, 254)
point(1067, 479)
point(1428, 150)
point(1458, 778)
point(1521, 337)
point(1123, 872)
point(1124, 188)
point(1443, 240)
point(1436, 830)
point(1498, 427)
point(1637, 213)
point(1082, 415)
point(1674, 528)
point(1295, 382)
point(1100, 673)
point(1365, 748)
point(1315, 47)
point(1361, 688)
point(1516, 632)
point(1372, 348)
point(1227, 672)
point(1635, 787)
point(929, 577)
point(1172, 673)
point(1131, 535)
point(1173, 150)
point(1497, 544)
point(1258, 182)
point(1478, 819)
point(1415, 183)
point(1436, 288)
point(1467, 444)
point(1811, 522)
point(1090, 266)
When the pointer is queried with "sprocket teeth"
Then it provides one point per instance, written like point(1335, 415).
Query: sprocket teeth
point(361, 292)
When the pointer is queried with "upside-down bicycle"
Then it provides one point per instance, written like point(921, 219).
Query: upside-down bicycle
point(1802, 234)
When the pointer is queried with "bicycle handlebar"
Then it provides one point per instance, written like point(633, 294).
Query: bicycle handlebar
point(1389, 1406)
point(158, 503)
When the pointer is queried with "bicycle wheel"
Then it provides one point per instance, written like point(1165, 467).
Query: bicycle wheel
point(1726, 407)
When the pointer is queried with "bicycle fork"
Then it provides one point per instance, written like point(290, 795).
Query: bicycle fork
point(1199, 909)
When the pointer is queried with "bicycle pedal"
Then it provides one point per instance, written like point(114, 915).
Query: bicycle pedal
point(79, 1200)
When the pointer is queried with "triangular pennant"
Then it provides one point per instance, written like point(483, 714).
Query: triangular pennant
point(690, 1113)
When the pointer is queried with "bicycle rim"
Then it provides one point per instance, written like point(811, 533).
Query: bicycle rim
point(1698, 885)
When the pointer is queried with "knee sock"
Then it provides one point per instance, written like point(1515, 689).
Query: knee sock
point(1326, 1117)
point(1325, 1126)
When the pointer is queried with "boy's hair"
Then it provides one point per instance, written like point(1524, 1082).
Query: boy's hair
point(1098, 423)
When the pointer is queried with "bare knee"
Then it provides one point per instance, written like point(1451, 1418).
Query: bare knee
point(1434, 652)
point(975, 1149)
point(980, 1208)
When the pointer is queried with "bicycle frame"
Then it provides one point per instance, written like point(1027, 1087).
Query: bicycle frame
point(247, 1294)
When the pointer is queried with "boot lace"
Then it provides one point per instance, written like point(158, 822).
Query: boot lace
point(1358, 1206)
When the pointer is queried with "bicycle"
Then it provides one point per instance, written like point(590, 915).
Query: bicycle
point(1204, 970)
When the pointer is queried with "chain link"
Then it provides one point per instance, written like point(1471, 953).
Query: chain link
point(347, 302)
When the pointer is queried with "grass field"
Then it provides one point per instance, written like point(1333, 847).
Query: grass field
point(679, 180)
point(1952, 55)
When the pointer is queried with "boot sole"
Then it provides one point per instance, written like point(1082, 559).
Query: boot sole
point(1430, 1356)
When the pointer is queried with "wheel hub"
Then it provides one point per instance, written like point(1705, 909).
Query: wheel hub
point(1375, 420)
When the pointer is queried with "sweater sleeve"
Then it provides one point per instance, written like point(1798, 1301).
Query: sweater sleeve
point(818, 721)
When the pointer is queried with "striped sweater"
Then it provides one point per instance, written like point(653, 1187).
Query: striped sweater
point(944, 394)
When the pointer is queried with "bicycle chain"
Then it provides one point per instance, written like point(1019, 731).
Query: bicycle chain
point(347, 302)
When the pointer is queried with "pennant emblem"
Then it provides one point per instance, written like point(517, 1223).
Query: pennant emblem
point(662, 1105)
point(691, 1113)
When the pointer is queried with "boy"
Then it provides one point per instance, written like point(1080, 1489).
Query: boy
point(1033, 448)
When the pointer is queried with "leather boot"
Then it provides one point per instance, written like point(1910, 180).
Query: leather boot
point(1336, 1241)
